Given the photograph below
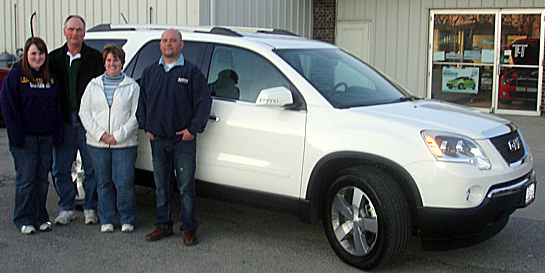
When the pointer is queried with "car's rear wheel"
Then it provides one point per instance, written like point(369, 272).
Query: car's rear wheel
point(366, 218)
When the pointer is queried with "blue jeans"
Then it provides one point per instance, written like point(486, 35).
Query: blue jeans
point(171, 157)
point(114, 169)
point(63, 157)
point(32, 164)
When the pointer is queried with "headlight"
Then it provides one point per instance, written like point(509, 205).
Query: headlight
point(456, 148)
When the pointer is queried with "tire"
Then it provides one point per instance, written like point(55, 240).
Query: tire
point(461, 86)
point(369, 199)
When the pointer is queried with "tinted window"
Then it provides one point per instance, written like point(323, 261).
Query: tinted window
point(240, 74)
point(99, 44)
point(194, 52)
point(150, 52)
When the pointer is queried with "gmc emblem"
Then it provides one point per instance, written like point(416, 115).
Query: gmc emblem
point(514, 144)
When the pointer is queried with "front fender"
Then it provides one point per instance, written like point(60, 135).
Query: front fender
point(330, 165)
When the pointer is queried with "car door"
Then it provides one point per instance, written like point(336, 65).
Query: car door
point(248, 146)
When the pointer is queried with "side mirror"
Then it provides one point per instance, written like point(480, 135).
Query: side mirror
point(275, 96)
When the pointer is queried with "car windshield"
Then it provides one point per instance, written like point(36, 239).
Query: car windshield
point(342, 79)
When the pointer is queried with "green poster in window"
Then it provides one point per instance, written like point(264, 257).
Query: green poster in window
point(460, 80)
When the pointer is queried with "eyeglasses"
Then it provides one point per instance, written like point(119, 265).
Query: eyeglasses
point(72, 29)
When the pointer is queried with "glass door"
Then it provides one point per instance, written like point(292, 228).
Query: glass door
point(519, 72)
point(487, 59)
point(463, 57)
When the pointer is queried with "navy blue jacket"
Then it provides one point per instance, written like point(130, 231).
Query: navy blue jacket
point(172, 101)
point(31, 109)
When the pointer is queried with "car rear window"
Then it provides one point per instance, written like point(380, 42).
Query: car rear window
point(98, 44)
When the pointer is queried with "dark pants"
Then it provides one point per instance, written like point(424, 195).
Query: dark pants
point(174, 157)
point(32, 165)
point(63, 157)
point(114, 169)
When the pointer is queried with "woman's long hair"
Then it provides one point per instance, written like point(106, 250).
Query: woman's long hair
point(25, 66)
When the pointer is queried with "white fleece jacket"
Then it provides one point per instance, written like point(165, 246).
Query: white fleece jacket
point(120, 119)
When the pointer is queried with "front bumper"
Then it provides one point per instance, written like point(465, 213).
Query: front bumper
point(442, 229)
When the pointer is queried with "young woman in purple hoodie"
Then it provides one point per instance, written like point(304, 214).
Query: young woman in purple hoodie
point(31, 109)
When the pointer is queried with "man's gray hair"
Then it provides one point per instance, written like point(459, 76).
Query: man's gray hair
point(74, 16)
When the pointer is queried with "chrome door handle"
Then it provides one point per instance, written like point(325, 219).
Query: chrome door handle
point(214, 118)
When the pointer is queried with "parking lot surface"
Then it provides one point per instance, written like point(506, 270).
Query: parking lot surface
point(235, 238)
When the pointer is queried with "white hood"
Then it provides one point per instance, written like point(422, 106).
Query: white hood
point(438, 115)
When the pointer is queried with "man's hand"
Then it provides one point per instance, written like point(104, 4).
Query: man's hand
point(150, 135)
point(186, 135)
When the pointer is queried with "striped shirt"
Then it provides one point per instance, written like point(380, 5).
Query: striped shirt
point(110, 84)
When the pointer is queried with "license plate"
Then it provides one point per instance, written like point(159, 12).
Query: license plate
point(530, 193)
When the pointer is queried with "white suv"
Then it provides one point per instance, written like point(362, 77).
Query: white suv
point(302, 127)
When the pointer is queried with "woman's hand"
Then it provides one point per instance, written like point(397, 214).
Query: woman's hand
point(108, 139)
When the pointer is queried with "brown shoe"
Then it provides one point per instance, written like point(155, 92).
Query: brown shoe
point(190, 237)
point(157, 234)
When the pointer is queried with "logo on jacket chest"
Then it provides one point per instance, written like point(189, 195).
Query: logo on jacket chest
point(183, 80)
point(39, 83)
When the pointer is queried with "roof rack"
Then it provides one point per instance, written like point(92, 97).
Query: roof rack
point(107, 27)
point(279, 31)
point(118, 27)
point(222, 30)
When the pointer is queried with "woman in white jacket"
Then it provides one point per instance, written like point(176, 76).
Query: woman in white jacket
point(107, 112)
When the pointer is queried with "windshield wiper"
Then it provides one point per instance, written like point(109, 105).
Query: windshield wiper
point(408, 98)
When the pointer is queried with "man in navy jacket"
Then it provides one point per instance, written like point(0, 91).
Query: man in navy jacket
point(174, 106)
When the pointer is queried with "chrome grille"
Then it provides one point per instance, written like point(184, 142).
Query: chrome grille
point(510, 146)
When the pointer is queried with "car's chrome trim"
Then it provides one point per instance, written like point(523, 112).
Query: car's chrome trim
point(512, 188)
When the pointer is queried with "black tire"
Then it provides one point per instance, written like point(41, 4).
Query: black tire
point(461, 86)
point(383, 221)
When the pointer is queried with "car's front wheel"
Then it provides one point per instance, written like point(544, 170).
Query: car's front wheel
point(366, 218)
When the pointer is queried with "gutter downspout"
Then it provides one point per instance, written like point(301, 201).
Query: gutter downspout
point(212, 12)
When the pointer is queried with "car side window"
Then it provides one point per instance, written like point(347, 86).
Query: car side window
point(240, 74)
point(150, 52)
